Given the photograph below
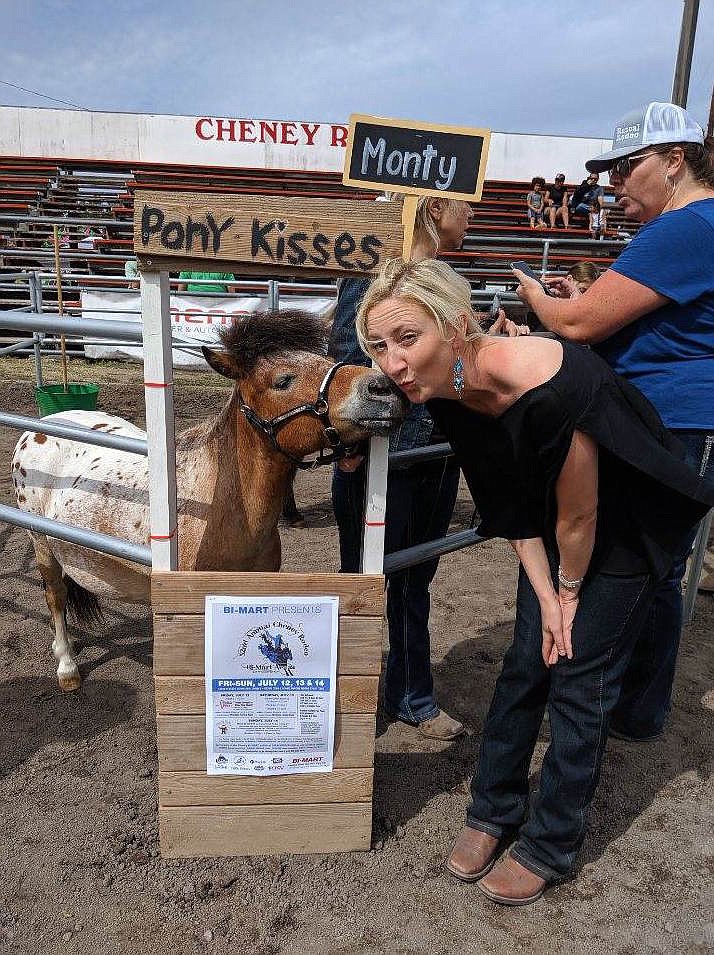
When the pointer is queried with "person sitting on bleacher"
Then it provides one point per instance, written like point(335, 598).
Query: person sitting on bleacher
point(583, 196)
point(535, 200)
point(556, 201)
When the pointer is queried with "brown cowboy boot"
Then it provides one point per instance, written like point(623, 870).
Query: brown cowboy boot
point(473, 854)
point(510, 883)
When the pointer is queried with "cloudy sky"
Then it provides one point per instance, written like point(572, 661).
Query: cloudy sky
point(515, 65)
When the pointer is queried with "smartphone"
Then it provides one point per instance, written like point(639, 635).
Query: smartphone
point(527, 270)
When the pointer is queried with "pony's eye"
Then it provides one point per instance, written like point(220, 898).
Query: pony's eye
point(284, 382)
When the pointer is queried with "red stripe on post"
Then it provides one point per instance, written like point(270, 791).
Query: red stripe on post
point(157, 384)
point(374, 523)
point(162, 537)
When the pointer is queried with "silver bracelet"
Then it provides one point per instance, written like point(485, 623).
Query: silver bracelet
point(567, 583)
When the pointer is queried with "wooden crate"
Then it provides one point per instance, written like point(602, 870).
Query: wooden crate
point(202, 815)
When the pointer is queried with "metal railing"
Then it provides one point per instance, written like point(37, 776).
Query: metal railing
point(95, 540)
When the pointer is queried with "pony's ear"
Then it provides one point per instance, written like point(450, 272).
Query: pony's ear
point(221, 361)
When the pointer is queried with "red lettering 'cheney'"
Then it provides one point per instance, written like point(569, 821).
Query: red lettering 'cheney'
point(269, 131)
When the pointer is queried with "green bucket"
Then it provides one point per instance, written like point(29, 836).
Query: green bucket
point(53, 398)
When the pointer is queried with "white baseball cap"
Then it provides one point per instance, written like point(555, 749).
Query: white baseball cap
point(649, 125)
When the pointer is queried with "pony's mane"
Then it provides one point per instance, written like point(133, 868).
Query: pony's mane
point(263, 334)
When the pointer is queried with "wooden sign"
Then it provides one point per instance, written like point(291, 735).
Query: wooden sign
point(418, 158)
point(202, 815)
point(264, 235)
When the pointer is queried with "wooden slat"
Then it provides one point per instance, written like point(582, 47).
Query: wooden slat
point(182, 742)
point(179, 645)
point(186, 695)
point(185, 591)
point(198, 789)
point(204, 831)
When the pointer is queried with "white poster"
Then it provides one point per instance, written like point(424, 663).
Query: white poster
point(271, 665)
point(195, 320)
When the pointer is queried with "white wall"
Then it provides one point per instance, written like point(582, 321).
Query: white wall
point(223, 141)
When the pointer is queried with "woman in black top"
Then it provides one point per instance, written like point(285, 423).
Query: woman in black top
point(574, 467)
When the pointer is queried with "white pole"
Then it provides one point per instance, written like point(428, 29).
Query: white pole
point(695, 566)
point(159, 397)
point(375, 506)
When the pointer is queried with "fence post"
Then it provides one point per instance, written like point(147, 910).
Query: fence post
point(35, 286)
point(273, 295)
point(695, 566)
point(546, 249)
point(375, 506)
point(158, 392)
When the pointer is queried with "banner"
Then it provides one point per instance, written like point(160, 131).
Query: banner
point(195, 320)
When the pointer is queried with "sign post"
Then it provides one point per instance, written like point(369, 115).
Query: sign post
point(417, 159)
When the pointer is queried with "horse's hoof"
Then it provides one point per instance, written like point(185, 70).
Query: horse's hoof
point(70, 683)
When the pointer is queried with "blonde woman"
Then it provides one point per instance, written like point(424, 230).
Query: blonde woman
point(573, 466)
point(420, 498)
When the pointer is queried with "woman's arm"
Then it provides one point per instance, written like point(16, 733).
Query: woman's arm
point(576, 494)
point(532, 556)
point(612, 302)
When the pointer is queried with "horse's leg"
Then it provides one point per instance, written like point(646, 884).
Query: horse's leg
point(56, 597)
point(269, 558)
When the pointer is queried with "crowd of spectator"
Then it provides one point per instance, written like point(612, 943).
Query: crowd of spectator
point(546, 203)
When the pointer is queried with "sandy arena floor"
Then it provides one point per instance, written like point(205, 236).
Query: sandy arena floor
point(80, 870)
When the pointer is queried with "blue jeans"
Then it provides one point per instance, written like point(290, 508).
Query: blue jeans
point(646, 694)
point(580, 695)
point(420, 502)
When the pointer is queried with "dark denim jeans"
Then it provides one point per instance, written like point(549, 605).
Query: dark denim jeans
point(420, 502)
point(646, 694)
point(580, 695)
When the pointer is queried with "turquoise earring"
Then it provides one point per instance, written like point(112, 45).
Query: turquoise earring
point(457, 373)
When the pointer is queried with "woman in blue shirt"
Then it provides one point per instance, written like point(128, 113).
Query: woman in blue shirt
point(651, 316)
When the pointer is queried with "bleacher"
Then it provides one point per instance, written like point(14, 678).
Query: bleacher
point(34, 194)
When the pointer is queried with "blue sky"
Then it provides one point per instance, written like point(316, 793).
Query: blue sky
point(518, 66)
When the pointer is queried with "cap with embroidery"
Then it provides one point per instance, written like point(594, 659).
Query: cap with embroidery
point(649, 125)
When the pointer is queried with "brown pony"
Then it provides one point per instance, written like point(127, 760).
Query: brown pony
point(232, 471)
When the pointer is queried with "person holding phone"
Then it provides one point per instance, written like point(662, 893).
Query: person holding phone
point(573, 466)
point(651, 316)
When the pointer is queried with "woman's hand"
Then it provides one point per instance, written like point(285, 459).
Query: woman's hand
point(551, 616)
point(504, 326)
point(568, 600)
point(528, 289)
point(563, 286)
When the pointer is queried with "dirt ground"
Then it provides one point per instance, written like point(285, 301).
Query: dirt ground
point(80, 870)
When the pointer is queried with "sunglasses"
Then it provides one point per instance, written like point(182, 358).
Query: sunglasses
point(623, 167)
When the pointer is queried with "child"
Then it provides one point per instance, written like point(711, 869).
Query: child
point(535, 201)
point(596, 222)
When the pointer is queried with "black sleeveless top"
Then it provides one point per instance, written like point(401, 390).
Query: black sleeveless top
point(648, 498)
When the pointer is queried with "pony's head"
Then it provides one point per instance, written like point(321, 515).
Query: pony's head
point(278, 362)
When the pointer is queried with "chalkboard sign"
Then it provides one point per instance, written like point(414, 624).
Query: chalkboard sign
point(418, 158)
point(265, 235)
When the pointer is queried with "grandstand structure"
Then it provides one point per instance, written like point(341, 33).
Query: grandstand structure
point(92, 203)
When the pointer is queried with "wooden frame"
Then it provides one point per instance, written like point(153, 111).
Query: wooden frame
point(202, 815)
point(410, 188)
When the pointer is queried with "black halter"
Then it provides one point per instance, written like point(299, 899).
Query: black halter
point(319, 409)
